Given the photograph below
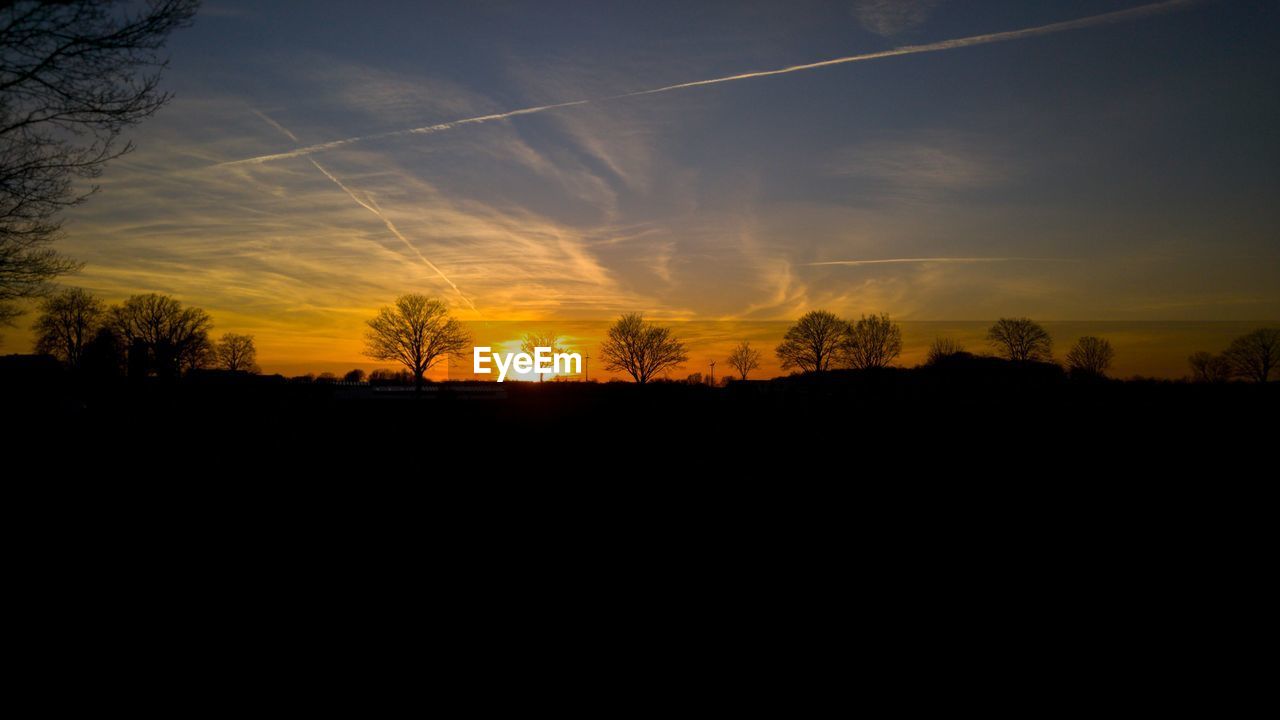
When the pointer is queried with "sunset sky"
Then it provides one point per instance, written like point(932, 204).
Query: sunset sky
point(1119, 169)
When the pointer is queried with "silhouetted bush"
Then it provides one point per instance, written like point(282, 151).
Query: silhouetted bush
point(1255, 356)
point(941, 349)
point(1209, 368)
point(1090, 357)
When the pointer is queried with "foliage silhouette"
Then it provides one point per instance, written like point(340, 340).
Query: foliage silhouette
point(743, 358)
point(814, 342)
point(1090, 357)
point(236, 353)
point(942, 348)
point(73, 76)
point(534, 340)
point(873, 342)
point(1255, 356)
point(161, 336)
point(1020, 340)
point(68, 321)
point(416, 332)
point(1209, 368)
point(641, 349)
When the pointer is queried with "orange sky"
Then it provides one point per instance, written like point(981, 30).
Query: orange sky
point(1116, 170)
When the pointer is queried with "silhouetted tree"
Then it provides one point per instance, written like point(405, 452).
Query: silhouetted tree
point(813, 342)
point(1209, 368)
point(1020, 340)
point(534, 340)
point(162, 336)
point(103, 356)
point(68, 321)
point(1256, 355)
point(1091, 356)
point(73, 75)
point(744, 359)
point(236, 353)
point(641, 349)
point(354, 376)
point(942, 348)
point(326, 378)
point(695, 379)
point(873, 342)
point(416, 332)
point(198, 354)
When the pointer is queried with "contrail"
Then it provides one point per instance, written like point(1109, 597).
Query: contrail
point(889, 261)
point(373, 208)
point(1091, 21)
point(424, 130)
point(1086, 22)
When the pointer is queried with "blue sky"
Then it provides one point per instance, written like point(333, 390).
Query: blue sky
point(1122, 171)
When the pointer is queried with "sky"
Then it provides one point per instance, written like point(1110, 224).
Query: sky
point(1087, 160)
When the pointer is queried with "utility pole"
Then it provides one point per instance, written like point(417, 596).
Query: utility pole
point(586, 367)
point(713, 373)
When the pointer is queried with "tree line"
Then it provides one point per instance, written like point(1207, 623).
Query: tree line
point(155, 335)
point(417, 332)
point(145, 335)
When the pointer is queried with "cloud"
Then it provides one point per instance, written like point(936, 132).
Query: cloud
point(372, 206)
point(962, 260)
point(1080, 23)
point(890, 17)
point(926, 168)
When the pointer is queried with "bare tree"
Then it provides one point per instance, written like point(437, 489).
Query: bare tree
point(236, 353)
point(941, 349)
point(67, 323)
point(103, 356)
point(1020, 340)
point(641, 349)
point(1256, 355)
point(1091, 356)
point(416, 332)
point(200, 353)
point(744, 359)
point(1209, 368)
point(354, 376)
point(161, 335)
point(873, 342)
point(73, 75)
point(534, 340)
point(813, 342)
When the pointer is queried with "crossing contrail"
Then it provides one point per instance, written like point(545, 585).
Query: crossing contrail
point(1118, 16)
point(373, 208)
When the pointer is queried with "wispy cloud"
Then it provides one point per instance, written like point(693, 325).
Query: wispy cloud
point(955, 43)
point(372, 207)
point(924, 164)
point(897, 261)
point(890, 17)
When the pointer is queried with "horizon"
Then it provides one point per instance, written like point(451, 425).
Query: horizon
point(559, 164)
